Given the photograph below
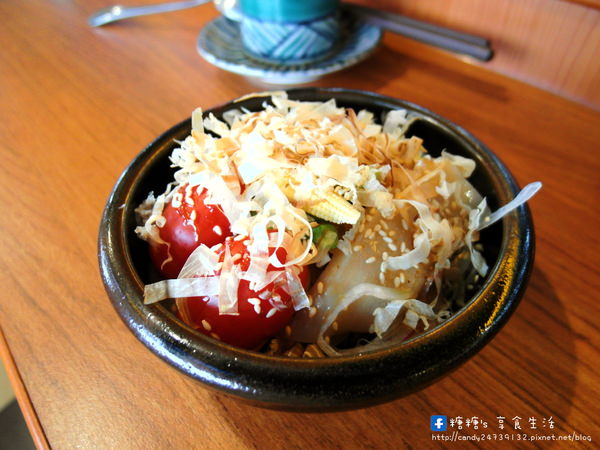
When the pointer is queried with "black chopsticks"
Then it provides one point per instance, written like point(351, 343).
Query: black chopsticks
point(454, 41)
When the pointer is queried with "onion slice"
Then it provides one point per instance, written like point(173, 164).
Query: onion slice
point(181, 287)
point(523, 196)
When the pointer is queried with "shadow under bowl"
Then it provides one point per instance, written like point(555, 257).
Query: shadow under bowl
point(326, 384)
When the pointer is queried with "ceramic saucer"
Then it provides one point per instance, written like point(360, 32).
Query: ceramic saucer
point(220, 44)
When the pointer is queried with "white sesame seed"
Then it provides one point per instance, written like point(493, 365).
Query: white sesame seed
point(403, 247)
point(370, 260)
point(378, 227)
point(392, 247)
point(382, 233)
point(271, 313)
point(404, 224)
point(275, 301)
point(385, 256)
point(218, 231)
point(388, 240)
point(392, 233)
point(206, 325)
point(357, 248)
point(385, 225)
point(402, 277)
point(396, 281)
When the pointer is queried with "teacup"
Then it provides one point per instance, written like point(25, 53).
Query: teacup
point(289, 31)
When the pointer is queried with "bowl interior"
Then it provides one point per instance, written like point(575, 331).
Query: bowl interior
point(334, 383)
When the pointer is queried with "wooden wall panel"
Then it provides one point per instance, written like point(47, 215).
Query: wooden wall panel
point(552, 44)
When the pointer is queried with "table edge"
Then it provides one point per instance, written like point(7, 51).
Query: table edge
point(29, 414)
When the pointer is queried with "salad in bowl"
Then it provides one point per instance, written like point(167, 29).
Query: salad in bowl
point(310, 229)
point(316, 249)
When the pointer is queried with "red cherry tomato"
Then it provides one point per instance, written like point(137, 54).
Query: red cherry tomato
point(189, 223)
point(304, 276)
point(261, 314)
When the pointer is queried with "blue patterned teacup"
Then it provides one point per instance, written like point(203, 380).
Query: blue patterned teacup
point(289, 31)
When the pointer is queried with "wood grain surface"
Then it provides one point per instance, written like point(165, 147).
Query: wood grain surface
point(77, 104)
point(553, 44)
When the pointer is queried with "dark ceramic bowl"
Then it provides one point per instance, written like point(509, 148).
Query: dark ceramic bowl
point(333, 383)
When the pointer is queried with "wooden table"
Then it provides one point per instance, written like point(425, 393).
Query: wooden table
point(77, 104)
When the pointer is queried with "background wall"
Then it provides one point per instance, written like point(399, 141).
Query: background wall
point(552, 44)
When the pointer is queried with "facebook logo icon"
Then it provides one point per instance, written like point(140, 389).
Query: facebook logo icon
point(438, 423)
